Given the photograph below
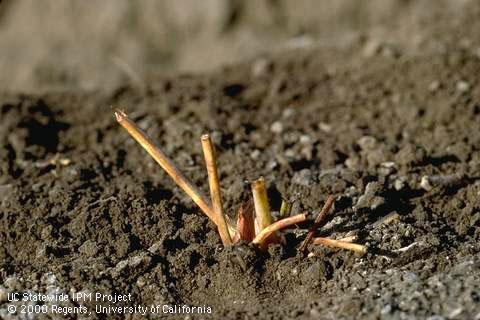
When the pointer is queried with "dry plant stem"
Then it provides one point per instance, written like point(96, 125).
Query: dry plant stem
point(260, 200)
point(215, 193)
point(281, 224)
point(167, 164)
point(318, 221)
point(340, 244)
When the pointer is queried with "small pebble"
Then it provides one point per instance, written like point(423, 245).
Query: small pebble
point(303, 177)
point(307, 152)
point(388, 164)
point(463, 86)
point(156, 247)
point(5, 191)
point(325, 127)
point(434, 86)
point(387, 309)
point(49, 278)
point(372, 47)
point(305, 139)
point(3, 294)
point(410, 277)
point(255, 155)
point(455, 313)
point(46, 232)
point(288, 113)
point(89, 248)
point(272, 164)
point(400, 183)
point(367, 143)
point(37, 187)
point(290, 153)
point(64, 161)
point(351, 191)
point(315, 314)
point(72, 172)
point(370, 199)
point(425, 183)
point(141, 282)
point(11, 282)
point(276, 127)
point(377, 202)
point(352, 163)
point(387, 168)
point(261, 67)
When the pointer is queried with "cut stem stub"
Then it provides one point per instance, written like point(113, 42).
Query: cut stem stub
point(215, 193)
point(263, 216)
point(260, 201)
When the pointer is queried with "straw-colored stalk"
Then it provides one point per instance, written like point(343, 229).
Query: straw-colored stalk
point(260, 201)
point(190, 189)
point(276, 226)
point(215, 193)
point(263, 217)
point(340, 244)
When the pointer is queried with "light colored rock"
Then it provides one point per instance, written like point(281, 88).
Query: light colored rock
point(463, 86)
point(255, 155)
point(260, 67)
point(303, 177)
point(367, 143)
point(3, 294)
point(276, 127)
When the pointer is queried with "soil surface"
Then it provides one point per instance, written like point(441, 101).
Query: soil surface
point(394, 137)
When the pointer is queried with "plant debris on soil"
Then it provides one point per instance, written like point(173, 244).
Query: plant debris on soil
point(394, 139)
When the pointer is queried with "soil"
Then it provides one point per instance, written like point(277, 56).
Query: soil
point(394, 137)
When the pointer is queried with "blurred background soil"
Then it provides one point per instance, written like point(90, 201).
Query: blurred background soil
point(57, 44)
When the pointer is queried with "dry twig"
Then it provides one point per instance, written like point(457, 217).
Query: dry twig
point(318, 221)
point(340, 244)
